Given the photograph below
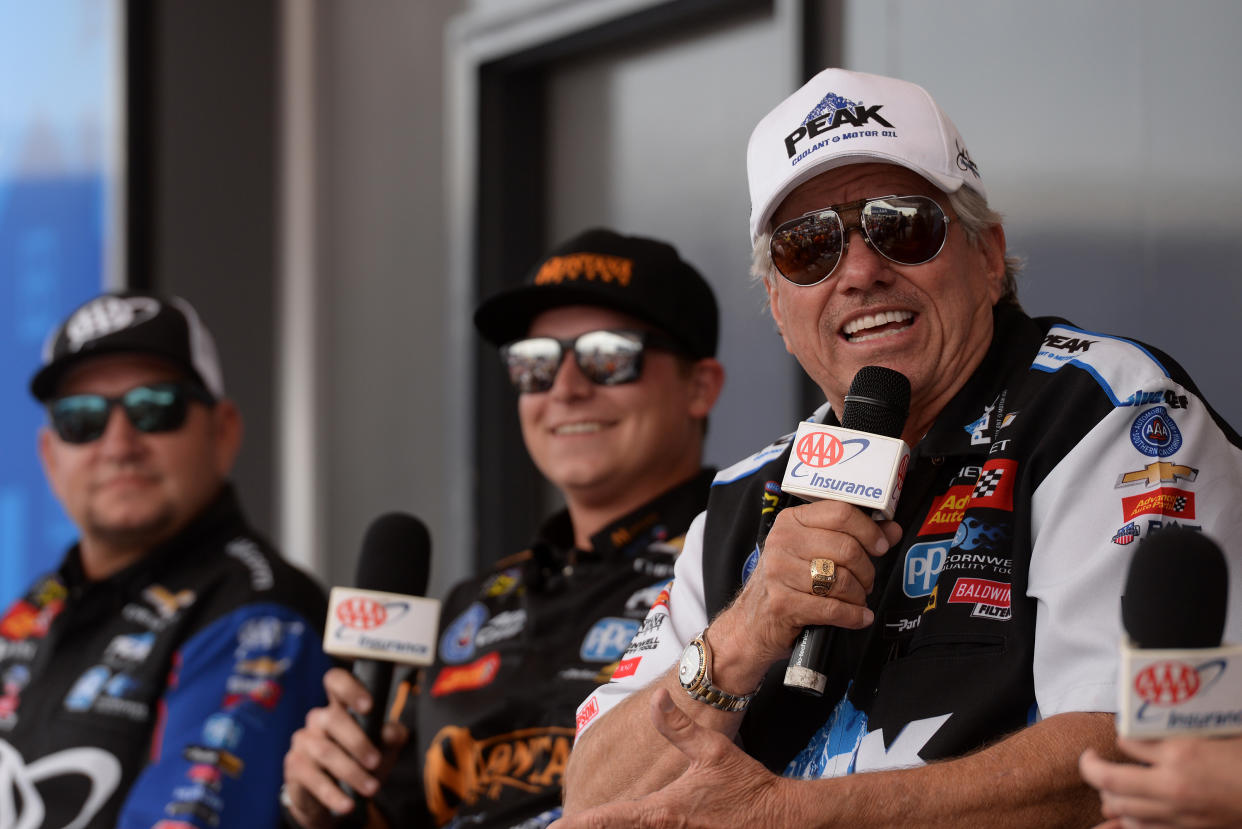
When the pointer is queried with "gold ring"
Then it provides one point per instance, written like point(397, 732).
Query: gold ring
point(823, 575)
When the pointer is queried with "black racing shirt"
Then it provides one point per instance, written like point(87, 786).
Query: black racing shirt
point(519, 648)
point(168, 691)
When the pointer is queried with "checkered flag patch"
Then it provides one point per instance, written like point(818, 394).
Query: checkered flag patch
point(989, 480)
point(1179, 503)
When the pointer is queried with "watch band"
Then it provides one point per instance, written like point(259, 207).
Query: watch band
point(704, 691)
point(721, 700)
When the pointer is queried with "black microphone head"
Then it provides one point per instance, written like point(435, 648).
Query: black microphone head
point(878, 402)
point(396, 555)
point(1176, 592)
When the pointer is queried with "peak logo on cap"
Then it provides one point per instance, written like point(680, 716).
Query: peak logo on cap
point(590, 266)
point(880, 121)
point(107, 315)
point(832, 112)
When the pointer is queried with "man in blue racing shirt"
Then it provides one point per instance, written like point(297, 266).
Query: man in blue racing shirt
point(154, 677)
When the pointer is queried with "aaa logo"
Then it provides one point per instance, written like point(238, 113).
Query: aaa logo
point(821, 449)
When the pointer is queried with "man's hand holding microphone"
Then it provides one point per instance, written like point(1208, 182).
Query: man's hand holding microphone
point(816, 571)
point(343, 755)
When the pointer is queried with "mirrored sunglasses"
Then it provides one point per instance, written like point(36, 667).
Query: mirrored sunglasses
point(159, 407)
point(605, 357)
point(908, 230)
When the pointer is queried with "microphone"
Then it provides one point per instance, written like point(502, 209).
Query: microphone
point(864, 463)
point(1176, 676)
point(379, 628)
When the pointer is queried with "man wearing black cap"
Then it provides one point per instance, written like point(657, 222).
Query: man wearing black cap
point(972, 641)
point(611, 347)
point(154, 677)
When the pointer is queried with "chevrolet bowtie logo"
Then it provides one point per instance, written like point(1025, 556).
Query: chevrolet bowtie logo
point(166, 602)
point(1161, 472)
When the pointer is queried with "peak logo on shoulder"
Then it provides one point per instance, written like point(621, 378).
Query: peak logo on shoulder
point(1155, 434)
point(1072, 345)
point(833, 112)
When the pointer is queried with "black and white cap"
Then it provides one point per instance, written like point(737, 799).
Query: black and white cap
point(130, 322)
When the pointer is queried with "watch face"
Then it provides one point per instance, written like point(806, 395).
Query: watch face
point(691, 664)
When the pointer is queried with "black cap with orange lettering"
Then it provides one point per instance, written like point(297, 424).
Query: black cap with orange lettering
point(644, 278)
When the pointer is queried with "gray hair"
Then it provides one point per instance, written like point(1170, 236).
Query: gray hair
point(973, 214)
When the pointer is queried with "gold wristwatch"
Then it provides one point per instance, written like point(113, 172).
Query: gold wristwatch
point(695, 673)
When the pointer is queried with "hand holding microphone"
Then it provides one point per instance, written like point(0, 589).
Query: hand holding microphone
point(347, 744)
point(1176, 677)
point(862, 463)
point(1177, 682)
point(756, 629)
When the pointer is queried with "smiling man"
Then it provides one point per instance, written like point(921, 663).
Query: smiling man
point(610, 347)
point(973, 639)
point(155, 676)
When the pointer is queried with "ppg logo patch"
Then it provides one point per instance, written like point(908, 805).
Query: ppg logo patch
point(923, 565)
point(1155, 434)
point(608, 639)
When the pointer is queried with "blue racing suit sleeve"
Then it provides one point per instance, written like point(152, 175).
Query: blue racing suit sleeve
point(239, 688)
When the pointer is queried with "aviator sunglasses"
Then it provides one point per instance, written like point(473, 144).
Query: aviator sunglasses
point(158, 407)
point(908, 230)
point(605, 357)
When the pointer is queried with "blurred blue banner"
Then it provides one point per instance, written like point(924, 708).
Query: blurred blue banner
point(61, 127)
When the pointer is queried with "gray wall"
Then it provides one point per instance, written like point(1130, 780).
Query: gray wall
point(1106, 132)
point(380, 260)
point(205, 221)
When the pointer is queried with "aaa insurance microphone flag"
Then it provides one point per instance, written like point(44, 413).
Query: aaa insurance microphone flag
point(864, 464)
point(1177, 679)
point(370, 623)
